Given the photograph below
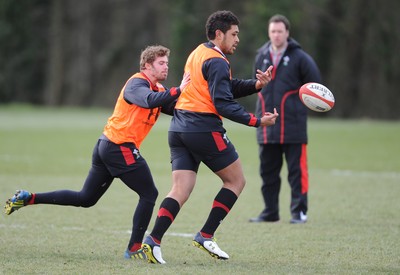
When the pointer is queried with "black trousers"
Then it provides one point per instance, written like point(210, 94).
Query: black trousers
point(110, 161)
point(271, 161)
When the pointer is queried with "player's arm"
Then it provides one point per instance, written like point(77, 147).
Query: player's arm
point(169, 108)
point(216, 72)
point(137, 91)
point(242, 88)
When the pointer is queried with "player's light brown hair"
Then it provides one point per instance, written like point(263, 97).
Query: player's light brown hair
point(150, 54)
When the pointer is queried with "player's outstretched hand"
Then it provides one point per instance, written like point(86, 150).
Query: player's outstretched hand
point(269, 118)
point(263, 78)
point(185, 81)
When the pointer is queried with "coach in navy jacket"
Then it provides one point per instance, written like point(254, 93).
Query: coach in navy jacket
point(293, 67)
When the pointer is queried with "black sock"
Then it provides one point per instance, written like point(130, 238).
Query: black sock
point(169, 209)
point(223, 203)
point(141, 220)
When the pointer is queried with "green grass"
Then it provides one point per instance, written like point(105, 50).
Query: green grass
point(353, 228)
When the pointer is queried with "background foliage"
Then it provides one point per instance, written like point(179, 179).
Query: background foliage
point(80, 53)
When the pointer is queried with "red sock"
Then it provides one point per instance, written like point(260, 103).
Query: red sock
point(135, 247)
point(157, 241)
point(205, 235)
point(32, 200)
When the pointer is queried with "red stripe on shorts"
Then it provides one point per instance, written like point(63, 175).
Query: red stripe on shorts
point(128, 155)
point(219, 141)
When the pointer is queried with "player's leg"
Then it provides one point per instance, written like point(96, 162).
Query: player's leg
point(96, 184)
point(219, 154)
point(233, 184)
point(271, 160)
point(183, 183)
point(296, 158)
point(141, 181)
point(184, 172)
point(184, 168)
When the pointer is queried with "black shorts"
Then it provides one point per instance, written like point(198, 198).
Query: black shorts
point(214, 149)
point(116, 158)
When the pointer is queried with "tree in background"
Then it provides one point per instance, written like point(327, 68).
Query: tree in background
point(22, 54)
point(77, 52)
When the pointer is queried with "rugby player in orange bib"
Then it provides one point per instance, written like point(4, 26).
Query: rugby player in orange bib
point(117, 152)
point(197, 135)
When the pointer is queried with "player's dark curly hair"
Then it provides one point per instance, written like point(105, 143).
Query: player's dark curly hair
point(220, 20)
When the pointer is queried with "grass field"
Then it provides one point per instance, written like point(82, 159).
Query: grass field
point(354, 206)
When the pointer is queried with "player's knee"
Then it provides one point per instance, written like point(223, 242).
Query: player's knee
point(242, 183)
point(153, 195)
point(236, 185)
point(87, 204)
point(86, 201)
point(149, 196)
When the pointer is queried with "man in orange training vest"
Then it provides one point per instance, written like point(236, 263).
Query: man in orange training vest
point(117, 152)
point(197, 135)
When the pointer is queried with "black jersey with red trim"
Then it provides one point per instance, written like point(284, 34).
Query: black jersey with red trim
point(211, 74)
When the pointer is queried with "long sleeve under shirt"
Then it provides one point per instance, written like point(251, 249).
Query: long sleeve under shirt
point(139, 92)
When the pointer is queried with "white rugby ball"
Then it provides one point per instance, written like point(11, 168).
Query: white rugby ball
point(316, 97)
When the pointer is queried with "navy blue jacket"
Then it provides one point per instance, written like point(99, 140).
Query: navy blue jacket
point(296, 68)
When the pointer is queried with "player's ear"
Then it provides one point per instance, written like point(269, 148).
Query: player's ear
point(219, 34)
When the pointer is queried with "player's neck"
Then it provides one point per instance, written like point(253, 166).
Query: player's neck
point(149, 77)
